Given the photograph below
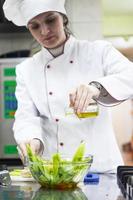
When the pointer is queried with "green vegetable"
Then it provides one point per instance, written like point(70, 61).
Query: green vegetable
point(57, 172)
point(56, 164)
point(78, 156)
point(16, 172)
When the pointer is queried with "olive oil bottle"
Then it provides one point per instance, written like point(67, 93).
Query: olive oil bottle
point(91, 111)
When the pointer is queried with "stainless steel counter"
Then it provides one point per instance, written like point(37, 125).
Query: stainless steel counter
point(106, 189)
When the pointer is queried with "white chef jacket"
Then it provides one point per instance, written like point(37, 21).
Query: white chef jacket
point(43, 87)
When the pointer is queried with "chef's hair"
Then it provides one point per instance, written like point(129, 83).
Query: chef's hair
point(66, 23)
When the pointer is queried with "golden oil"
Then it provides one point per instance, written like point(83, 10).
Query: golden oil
point(87, 114)
point(91, 111)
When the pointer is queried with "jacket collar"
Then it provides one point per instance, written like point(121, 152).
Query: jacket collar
point(68, 44)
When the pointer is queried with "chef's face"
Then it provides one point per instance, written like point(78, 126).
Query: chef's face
point(48, 29)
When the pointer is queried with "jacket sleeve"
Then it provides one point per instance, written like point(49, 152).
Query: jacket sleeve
point(118, 79)
point(27, 123)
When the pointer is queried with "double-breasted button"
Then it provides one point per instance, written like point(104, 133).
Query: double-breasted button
point(61, 144)
point(48, 66)
point(50, 93)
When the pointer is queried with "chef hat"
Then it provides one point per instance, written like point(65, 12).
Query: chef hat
point(21, 11)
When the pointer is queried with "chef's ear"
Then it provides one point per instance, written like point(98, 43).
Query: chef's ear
point(65, 20)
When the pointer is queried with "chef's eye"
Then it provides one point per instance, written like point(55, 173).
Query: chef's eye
point(50, 20)
point(34, 26)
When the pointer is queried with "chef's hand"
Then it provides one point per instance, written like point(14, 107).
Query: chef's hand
point(82, 97)
point(36, 146)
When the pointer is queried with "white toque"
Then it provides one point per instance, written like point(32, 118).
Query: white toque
point(21, 11)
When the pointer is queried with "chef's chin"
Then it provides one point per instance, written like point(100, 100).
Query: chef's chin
point(49, 46)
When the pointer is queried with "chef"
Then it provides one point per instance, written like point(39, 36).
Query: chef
point(66, 71)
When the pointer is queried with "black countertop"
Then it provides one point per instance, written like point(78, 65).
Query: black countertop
point(106, 189)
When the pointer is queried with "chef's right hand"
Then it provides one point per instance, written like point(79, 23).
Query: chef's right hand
point(82, 97)
point(36, 146)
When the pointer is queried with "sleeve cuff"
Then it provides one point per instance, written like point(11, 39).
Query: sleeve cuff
point(104, 97)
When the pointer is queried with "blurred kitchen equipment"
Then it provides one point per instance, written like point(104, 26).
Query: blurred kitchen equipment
point(8, 106)
point(91, 178)
point(5, 179)
point(125, 181)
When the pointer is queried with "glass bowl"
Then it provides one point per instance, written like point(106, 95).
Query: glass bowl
point(65, 174)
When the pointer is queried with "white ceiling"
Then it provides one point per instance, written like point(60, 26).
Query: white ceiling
point(118, 6)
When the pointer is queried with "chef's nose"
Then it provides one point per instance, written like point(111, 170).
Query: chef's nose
point(45, 29)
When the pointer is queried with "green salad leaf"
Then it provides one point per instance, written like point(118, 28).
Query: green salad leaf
point(78, 156)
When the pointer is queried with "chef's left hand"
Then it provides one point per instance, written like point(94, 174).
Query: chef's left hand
point(82, 97)
point(35, 144)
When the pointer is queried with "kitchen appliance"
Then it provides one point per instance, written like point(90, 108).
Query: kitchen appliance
point(125, 181)
point(8, 106)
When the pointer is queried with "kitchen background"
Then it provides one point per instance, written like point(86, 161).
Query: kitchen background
point(89, 19)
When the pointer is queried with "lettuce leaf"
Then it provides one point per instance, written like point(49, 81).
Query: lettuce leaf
point(79, 155)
